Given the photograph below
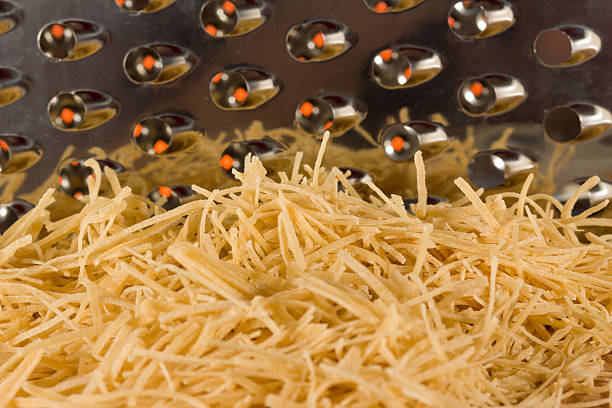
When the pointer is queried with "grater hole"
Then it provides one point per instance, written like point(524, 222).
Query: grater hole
point(18, 153)
point(226, 18)
point(142, 65)
point(233, 157)
point(562, 124)
point(391, 69)
point(11, 212)
point(358, 179)
point(319, 40)
point(229, 90)
point(9, 16)
point(314, 116)
point(399, 142)
point(467, 19)
point(487, 171)
point(72, 178)
point(57, 41)
point(553, 47)
point(476, 96)
point(13, 86)
point(67, 111)
point(171, 196)
point(153, 135)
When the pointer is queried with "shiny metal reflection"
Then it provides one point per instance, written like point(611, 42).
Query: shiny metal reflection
point(18, 153)
point(391, 6)
point(243, 88)
point(157, 64)
point(143, 6)
point(405, 66)
point(166, 133)
point(71, 40)
point(319, 40)
point(172, 196)
point(73, 174)
point(229, 18)
point(81, 109)
point(234, 155)
point(489, 95)
point(10, 16)
point(480, 18)
point(599, 193)
point(566, 46)
point(576, 122)
point(13, 85)
point(493, 168)
point(11, 212)
point(400, 141)
point(334, 112)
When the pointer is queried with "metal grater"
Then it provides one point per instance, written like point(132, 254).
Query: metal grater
point(155, 90)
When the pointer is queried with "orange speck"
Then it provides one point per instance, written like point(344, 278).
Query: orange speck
point(301, 58)
point(466, 3)
point(165, 191)
point(3, 146)
point(78, 194)
point(476, 88)
point(228, 7)
point(137, 130)
point(226, 161)
point(451, 22)
point(306, 109)
point(386, 55)
point(160, 146)
point(67, 115)
point(120, 2)
point(397, 143)
point(328, 125)
point(381, 7)
point(148, 62)
point(57, 31)
point(217, 78)
point(240, 94)
point(74, 163)
point(407, 73)
point(60, 180)
point(211, 29)
point(318, 40)
point(92, 176)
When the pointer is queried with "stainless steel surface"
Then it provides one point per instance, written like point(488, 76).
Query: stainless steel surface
point(263, 45)
point(501, 167)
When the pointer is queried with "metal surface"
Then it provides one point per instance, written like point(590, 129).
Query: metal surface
point(264, 45)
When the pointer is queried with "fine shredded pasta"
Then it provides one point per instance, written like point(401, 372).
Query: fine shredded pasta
point(292, 293)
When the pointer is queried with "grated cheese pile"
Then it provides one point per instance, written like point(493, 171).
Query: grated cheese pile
point(293, 294)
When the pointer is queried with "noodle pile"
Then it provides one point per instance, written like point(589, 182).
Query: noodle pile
point(295, 294)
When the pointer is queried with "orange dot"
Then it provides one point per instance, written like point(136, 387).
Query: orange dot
point(148, 62)
point(301, 58)
point(228, 7)
point(4, 146)
point(407, 73)
point(217, 78)
point(74, 163)
point(92, 176)
point(226, 161)
point(57, 31)
point(306, 109)
point(451, 22)
point(78, 194)
point(67, 115)
point(381, 7)
point(397, 143)
point(386, 55)
point(160, 146)
point(466, 3)
point(240, 94)
point(328, 125)
point(137, 130)
point(60, 180)
point(318, 40)
point(476, 88)
point(120, 2)
point(211, 29)
point(165, 191)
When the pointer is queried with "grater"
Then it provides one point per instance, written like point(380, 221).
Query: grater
point(173, 92)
